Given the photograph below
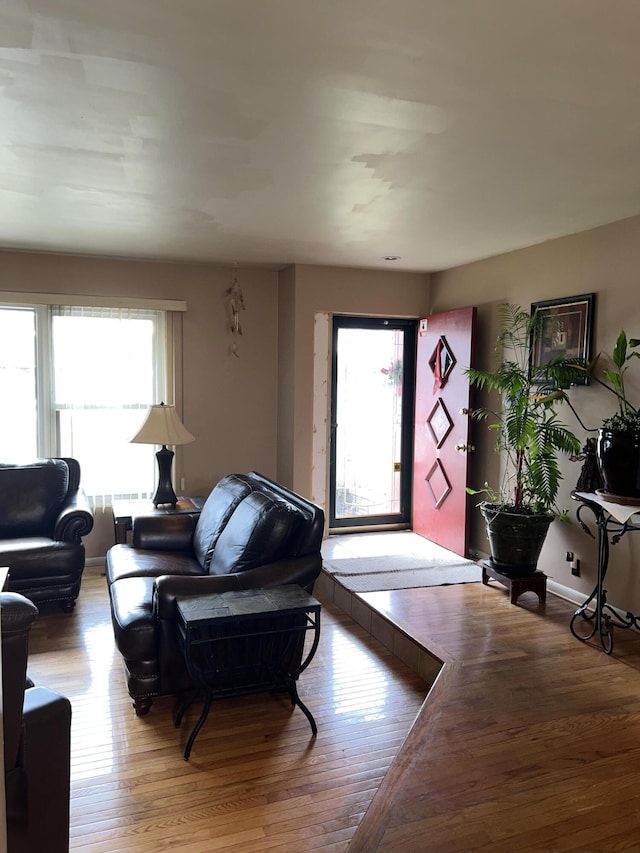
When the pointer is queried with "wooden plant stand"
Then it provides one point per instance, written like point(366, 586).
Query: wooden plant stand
point(516, 584)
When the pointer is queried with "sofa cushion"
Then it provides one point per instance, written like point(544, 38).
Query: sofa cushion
point(124, 561)
point(31, 497)
point(216, 512)
point(257, 533)
point(308, 535)
point(34, 559)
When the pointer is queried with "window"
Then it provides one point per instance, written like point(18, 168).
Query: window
point(18, 424)
point(80, 381)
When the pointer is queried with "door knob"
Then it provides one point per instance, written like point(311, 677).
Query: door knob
point(466, 411)
point(464, 448)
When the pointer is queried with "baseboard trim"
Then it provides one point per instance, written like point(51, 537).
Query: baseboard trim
point(578, 599)
point(94, 565)
point(565, 592)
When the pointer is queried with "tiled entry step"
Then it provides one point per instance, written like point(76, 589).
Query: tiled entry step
point(330, 590)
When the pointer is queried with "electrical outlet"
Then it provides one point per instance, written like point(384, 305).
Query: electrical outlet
point(569, 557)
point(575, 567)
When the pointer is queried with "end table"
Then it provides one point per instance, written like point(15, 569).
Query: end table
point(246, 641)
point(125, 511)
point(613, 517)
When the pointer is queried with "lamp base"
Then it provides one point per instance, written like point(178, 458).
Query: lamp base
point(164, 493)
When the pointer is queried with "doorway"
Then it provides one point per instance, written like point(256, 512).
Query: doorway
point(372, 401)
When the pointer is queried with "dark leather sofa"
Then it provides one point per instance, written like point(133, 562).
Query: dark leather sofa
point(37, 742)
point(251, 532)
point(44, 513)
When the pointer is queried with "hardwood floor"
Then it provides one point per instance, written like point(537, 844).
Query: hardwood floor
point(528, 741)
point(256, 781)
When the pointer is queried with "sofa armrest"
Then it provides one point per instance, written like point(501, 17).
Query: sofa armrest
point(300, 570)
point(169, 587)
point(46, 760)
point(75, 519)
point(18, 614)
point(164, 532)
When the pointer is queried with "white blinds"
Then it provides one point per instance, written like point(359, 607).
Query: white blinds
point(108, 366)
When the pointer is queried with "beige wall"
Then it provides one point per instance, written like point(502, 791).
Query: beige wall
point(605, 261)
point(256, 411)
point(334, 291)
point(229, 403)
point(251, 412)
point(286, 373)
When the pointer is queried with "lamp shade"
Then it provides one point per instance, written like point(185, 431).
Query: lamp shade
point(162, 426)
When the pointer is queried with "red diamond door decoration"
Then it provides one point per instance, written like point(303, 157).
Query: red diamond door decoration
point(439, 423)
point(438, 484)
point(441, 362)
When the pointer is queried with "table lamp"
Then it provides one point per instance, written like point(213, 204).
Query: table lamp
point(163, 426)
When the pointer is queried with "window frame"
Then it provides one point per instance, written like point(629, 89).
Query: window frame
point(48, 433)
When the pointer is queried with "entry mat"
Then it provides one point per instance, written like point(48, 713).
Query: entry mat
point(402, 571)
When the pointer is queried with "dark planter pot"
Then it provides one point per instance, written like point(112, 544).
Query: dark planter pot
point(515, 538)
point(619, 462)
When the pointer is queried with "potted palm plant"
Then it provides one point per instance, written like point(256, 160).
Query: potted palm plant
point(529, 435)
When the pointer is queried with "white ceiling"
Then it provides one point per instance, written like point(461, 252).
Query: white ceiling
point(315, 131)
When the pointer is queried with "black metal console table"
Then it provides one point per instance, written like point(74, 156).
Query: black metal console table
point(597, 616)
point(246, 641)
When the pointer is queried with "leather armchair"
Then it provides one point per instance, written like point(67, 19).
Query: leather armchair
point(44, 513)
point(37, 742)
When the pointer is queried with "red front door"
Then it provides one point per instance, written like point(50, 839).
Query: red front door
point(442, 428)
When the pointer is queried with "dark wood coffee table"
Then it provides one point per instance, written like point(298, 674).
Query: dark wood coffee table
point(246, 641)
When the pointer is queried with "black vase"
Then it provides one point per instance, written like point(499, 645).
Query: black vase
point(619, 462)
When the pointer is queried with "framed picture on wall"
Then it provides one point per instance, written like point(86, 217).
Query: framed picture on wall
point(566, 330)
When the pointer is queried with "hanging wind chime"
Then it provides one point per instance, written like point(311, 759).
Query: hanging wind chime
point(235, 304)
